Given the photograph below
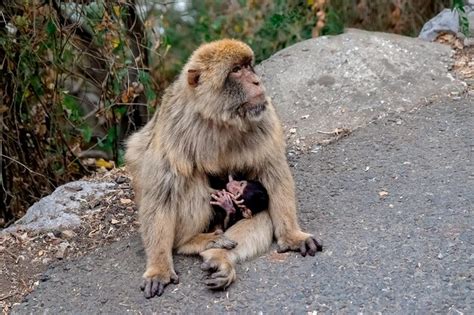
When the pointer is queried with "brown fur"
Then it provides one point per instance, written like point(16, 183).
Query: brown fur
point(195, 134)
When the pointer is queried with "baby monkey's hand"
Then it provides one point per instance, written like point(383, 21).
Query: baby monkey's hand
point(223, 199)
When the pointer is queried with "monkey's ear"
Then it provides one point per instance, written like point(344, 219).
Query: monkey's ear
point(193, 77)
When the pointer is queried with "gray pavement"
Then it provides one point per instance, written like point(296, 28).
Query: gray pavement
point(407, 251)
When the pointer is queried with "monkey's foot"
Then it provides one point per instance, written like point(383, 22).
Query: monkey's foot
point(155, 283)
point(222, 242)
point(221, 270)
point(301, 242)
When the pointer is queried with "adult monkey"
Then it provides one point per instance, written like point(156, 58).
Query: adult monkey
point(214, 120)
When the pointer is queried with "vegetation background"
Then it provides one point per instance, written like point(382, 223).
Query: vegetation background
point(79, 76)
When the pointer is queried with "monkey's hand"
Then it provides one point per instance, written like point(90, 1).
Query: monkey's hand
point(221, 242)
point(299, 241)
point(223, 199)
point(246, 212)
point(221, 270)
point(154, 281)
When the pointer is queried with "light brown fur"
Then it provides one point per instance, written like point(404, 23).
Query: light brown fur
point(194, 135)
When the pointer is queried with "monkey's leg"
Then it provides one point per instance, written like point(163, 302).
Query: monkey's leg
point(280, 186)
point(254, 236)
point(203, 241)
point(158, 236)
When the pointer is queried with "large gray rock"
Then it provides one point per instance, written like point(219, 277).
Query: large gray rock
point(348, 80)
point(446, 21)
point(61, 209)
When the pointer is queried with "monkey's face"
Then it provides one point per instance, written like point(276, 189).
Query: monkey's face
point(224, 85)
point(236, 187)
point(245, 93)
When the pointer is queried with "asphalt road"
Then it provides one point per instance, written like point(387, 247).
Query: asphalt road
point(393, 203)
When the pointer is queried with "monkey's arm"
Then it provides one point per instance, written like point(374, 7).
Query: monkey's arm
point(203, 241)
point(279, 183)
point(157, 227)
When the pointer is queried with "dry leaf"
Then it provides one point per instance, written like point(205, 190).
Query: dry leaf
point(113, 221)
point(104, 163)
point(125, 201)
point(68, 234)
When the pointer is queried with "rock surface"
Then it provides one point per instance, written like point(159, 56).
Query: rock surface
point(61, 209)
point(349, 80)
point(392, 201)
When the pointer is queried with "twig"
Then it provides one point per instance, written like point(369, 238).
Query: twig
point(326, 132)
point(6, 296)
point(29, 169)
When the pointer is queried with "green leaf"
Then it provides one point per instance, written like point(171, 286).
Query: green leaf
point(86, 132)
point(120, 110)
point(72, 107)
point(145, 79)
point(121, 157)
point(51, 28)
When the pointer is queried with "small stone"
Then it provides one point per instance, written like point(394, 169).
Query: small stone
point(292, 130)
point(121, 179)
point(125, 201)
point(440, 256)
point(469, 41)
point(68, 234)
point(94, 203)
point(304, 117)
point(383, 194)
point(61, 253)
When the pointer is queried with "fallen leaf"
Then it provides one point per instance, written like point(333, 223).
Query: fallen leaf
point(113, 221)
point(68, 234)
point(104, 163)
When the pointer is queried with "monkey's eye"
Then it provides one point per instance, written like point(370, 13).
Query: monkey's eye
point(236, 69)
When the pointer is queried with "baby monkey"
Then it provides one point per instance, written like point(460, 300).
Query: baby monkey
point(241, 199)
